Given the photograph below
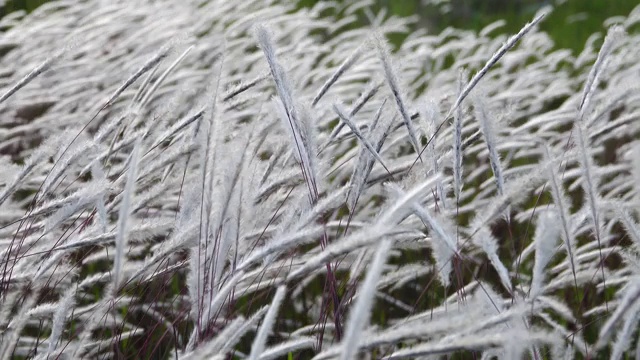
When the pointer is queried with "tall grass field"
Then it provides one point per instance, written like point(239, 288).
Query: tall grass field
point(218, 179)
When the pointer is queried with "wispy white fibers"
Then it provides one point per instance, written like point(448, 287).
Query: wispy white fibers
point(614, 34)
point(231, 198)
point(209, 139)
point(98, 172)
point(430, 119)
point(488, 243)
point(365, 97)
point(457, 142)
point(630, 226)
point(562, 203)
point(288, 347)
point(627, 307)
point(590, 181)
point(493, 60)
point(359, 135)
point(545, 241)
point(629, 328)
point(163, 76)
point(361, 309)
point(210, 310)
point(344, 67)
point(442, 236)
point(291, 115)
point(150, 64)
point(123, 216)
point(635, 169)
point(44, 66)
point(267, 324)
point(49, 147)
point(491, 141)
point(378, 134)
point(393, 83)
point(65, 305)
point(12, 331)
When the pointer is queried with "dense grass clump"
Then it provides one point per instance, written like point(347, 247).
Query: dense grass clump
point(236, 179)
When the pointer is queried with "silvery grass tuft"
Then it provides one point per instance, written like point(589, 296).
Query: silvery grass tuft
point(226, 179)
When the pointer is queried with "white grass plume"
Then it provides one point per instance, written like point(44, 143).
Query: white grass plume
point(590, 183)
point(494, 59)
point(267, 324)
point(392, 81)
point(491, 141)
point(457, 145)
point(629, 328)
point(361, 310)
point(488, 243)
point(359, 135)
point(443, 240)
point(150, 64)
point(365, 97)
point(344, 67)
point(430, 118)
point(123, 217)
point(291, 115)
point(613, 36)
point(545, 241)
point(625, 305)
point(561, 202)
point(44, 66)
point(66, 303)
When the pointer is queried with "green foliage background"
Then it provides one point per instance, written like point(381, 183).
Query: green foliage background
point(569, 25)
point(15, 5)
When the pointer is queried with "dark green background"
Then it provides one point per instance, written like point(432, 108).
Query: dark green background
point(13, 5)
point(475, 14)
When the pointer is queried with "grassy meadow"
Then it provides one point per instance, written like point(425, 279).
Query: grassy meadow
point(208, 179)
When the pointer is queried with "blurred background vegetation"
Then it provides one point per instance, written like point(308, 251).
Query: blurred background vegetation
point(8, 6)
point(569, 25)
